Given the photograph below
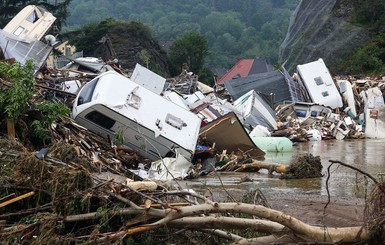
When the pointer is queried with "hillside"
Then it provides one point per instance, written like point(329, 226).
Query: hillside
point(235, 29)
point(129, 42)
point(346, 34)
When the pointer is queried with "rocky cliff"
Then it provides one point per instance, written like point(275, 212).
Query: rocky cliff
point(321, 29)
point(128, 42)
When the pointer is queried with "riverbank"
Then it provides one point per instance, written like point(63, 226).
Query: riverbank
point(310, 209)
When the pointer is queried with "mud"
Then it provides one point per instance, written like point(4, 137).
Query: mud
point(305, 199)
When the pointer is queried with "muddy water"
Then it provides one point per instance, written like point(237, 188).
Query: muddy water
point(367, 155)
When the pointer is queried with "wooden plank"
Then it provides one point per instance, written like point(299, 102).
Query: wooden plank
point(3, 204)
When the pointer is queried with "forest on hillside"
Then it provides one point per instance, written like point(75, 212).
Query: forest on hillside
point(234, 29)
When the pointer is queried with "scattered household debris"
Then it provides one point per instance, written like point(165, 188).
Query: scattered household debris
point(129, 135)
point(165, 118)
point(227, 133)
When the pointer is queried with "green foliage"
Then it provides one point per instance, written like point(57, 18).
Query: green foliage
point(190, 49)
point(370, 13)
point(85, 37)
point(145, 56)
point(369, 59)
point(51, 112)
point(234, 29)
point(14, 98)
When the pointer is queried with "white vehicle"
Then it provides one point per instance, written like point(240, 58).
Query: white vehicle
point(374, 114)
point(31, 23)
point(115, 107)
point(21, 37)
point(255, 111)
point(319, 84)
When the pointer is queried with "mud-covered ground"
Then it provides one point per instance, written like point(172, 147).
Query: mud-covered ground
point(310, 209)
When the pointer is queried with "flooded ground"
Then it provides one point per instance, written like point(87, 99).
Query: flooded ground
point(367, 155)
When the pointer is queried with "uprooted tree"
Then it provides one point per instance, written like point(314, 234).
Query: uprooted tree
point(69, 203)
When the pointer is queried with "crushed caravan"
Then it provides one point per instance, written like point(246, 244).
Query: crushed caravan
point(304, 110)
point(21, 37)
point(228, 133)
point(86, 65)
point(115, 107)
point(255, 111)
point(31, 23)
point(374, 113)
point(319, 84)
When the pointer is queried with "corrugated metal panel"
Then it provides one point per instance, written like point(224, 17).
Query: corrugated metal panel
point(23, 51)
point(268, 83)
point(260, 66)
point(295, 91)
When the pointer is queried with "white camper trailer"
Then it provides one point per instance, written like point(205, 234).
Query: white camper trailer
point(21, 37)
point(319, 84)
point(31, 23)
point(374, 114)
point(113, 106)
point(255, 111)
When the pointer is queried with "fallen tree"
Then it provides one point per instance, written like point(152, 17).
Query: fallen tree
point(72, 203)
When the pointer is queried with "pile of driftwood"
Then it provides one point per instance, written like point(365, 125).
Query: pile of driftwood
point(81, 191)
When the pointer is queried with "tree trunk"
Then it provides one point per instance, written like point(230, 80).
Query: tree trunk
point(11, 128)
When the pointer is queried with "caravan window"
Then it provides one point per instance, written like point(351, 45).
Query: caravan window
point(18, 31)
point(300, 113)
point(325, 93)
point(87, 91)
point(32, 17)
point(100, 119)
point(318, 81)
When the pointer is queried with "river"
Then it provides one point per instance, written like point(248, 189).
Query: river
point(365, 154)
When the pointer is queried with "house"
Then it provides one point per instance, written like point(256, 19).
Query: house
point(246, 67)
point(271, 84)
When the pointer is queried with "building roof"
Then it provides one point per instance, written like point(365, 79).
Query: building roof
point(268, 83)
point(246, 67)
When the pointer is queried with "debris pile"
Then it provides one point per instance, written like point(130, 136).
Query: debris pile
point(147, 118)
point(306, 166)
point(129, 134)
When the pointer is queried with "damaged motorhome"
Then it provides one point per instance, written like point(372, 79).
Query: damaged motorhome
point(21, 37)
point(115, 107)
point(31, 23)
point(255, 111)
point(319, 84)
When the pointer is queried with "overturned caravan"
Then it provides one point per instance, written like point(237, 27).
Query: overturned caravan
point(117, 108)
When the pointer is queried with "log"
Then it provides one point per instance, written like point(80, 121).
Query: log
point(271, 221)
point(142, 185)
point(256, 166)
point(11, 128)
point(304, 231)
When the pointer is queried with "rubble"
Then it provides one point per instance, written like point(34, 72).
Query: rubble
point(128, 135)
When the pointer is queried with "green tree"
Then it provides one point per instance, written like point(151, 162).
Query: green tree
point(19, 90)
point(190, 49)
point(14, 96)
point(144, 56)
